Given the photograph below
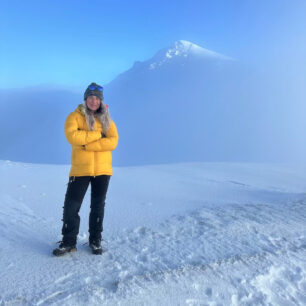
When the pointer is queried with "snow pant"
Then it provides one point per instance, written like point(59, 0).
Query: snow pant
point(76, 190)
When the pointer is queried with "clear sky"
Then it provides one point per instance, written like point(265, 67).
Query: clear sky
point(72, 42)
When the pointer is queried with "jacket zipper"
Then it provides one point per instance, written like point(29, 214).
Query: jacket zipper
point(94, 163)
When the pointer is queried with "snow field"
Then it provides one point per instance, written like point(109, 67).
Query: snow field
point(220, 250)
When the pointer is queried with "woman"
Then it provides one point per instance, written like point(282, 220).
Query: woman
point(93, 136)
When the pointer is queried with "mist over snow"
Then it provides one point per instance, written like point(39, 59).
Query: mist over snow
point(32, 124)
point(181, 232)
point(186, 103)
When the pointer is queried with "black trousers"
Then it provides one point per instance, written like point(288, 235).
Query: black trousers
point(76, 191)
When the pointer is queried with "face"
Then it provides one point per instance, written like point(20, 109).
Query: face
point(93, 103)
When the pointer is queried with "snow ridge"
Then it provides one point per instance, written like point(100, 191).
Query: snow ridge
point(184, 49)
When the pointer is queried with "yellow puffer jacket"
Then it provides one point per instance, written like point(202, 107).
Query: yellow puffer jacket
point(91, 154)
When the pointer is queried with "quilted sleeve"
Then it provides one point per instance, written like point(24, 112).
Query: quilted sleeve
point(75, 136)
point(109, 143)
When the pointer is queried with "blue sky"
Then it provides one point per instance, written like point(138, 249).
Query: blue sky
point(70, 43)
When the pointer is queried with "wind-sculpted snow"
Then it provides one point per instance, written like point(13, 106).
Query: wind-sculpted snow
point(242, 252)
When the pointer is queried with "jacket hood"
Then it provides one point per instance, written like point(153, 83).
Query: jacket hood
point(103, 117)
point(81, 109)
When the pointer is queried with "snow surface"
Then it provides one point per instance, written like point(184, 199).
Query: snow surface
point(184, 48)
point(175, 234)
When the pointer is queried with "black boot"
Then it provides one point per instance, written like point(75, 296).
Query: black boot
point(64, 249)
point(96, 247)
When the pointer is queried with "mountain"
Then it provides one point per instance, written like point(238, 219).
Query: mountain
point(186, 103)
point(179, 52)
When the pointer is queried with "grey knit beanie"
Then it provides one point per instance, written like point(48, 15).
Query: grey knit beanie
point(94, 90)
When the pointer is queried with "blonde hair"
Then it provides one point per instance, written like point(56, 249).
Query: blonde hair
point(102, 114)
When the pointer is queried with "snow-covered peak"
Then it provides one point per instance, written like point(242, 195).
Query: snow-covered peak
point(184, 49)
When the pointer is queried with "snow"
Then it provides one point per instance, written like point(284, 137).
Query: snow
point(184, 48)
point(175, 234)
